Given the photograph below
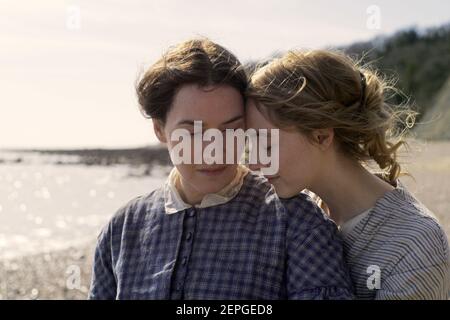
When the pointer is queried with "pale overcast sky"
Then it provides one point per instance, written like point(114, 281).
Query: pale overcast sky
point(65, 84)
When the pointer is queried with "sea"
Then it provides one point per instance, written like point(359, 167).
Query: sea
point(51, 202)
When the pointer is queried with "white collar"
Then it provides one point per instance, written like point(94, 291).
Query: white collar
point(174, 203)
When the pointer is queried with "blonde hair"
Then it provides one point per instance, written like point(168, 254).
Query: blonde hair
point(318, 89)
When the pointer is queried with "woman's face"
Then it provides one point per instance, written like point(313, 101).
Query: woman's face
point(221, 108)
point(299, 159)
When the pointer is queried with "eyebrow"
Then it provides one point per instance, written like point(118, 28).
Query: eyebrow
point(191, 122)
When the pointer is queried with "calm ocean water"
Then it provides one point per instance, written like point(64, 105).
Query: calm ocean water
point(45, 207)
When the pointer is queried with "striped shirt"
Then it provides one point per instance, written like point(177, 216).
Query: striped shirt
point(398, 251)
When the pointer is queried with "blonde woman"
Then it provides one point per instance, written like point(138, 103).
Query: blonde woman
point(333, 118)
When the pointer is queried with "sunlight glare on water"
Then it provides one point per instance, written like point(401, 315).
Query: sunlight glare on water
point(45, 207)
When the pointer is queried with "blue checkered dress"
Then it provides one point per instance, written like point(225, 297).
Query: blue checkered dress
point(252, 247)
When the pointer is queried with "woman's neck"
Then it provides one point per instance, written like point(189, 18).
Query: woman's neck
point(349, 189)
point(188, 194)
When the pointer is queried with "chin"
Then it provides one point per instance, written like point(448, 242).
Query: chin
point(283, 195)
point(207, 187)
point(213, 184)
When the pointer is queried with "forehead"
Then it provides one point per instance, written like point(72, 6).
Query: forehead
point(210, 104)
point(254, 118)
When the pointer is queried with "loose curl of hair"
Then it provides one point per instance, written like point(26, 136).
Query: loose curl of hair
point(319, 89)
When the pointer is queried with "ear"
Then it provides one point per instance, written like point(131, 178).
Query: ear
point(323, 138)
point(158, 128)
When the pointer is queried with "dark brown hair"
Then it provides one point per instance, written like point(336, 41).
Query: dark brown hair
point(196, 61)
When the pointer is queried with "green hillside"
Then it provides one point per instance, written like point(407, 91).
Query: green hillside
point(418, 59)
point(435, 124)
point(419, 62)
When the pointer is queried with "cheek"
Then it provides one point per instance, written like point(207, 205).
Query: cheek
point(187, 171)
point(182, 149)
point(296, 162)
point(290, 160)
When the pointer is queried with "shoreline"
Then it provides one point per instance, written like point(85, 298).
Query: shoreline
point(145, 157)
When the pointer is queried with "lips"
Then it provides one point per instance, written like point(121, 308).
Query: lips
point(212, 171)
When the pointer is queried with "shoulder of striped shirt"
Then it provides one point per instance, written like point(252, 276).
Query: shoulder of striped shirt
point(423, 255)
point(417, 227)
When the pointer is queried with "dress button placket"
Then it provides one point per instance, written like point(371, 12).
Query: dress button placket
point(184, 254)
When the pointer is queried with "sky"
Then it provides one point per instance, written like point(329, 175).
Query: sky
point(68, 68)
